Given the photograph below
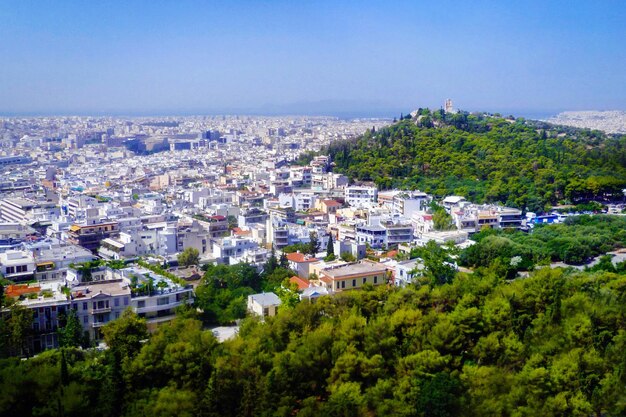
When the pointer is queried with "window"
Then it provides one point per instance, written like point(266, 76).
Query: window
point(266, 311)
point(117, 314)
point(141, 304)
point(163, 301)
point(125, 301)
point(84, 306)
point(354, 282)
point(116, 302)
point(364, 280)
point(86, 319)
point(375, 280)
point(337, 285)
point(343, 284)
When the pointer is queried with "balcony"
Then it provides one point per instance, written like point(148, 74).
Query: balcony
point(153, 308)
point(101, 310)
point(97, 324)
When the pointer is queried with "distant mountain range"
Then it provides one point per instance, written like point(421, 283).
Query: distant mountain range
point(613, 121)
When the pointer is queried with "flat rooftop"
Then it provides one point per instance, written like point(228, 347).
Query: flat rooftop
point(361, 268)
point(111, 287)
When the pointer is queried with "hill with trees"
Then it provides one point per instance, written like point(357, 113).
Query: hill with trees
point(487, 158)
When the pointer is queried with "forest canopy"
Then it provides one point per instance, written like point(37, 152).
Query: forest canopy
point(551, 345)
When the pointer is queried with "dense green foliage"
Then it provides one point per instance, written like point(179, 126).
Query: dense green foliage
point(188, 257)
point(224, 290)
point(487, 159)
point(573, 242)
point(297, 247)
point(549, 345)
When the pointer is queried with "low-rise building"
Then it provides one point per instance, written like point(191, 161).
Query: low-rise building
point(263, 305)
point(300, 263)
point(353, 276)
point(407, 270)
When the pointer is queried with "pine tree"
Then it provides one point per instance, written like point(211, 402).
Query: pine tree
point(330, 249)
point(272, 262)
point(314, 244)
point(284, 262)
point(71, 335)
point(65, 376)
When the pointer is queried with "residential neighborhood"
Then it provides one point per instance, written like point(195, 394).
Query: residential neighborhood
point(94, 193)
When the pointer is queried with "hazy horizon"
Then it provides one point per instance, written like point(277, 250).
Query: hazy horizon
point(273, 58)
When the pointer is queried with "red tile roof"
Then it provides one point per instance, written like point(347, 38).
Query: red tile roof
point(301, 282)
point(240, 232)
point(331, 203)
point(300, 257)
point(15, 290)
point(391, 253)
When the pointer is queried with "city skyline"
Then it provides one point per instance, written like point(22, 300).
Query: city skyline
point(350, 59)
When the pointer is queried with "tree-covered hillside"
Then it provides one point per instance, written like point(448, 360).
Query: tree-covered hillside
point(549, 345)
point(520, 163)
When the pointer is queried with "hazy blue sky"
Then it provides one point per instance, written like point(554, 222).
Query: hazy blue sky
point(183, 56)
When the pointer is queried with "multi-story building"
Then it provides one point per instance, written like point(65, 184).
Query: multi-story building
point(252, 216)
point(374, 235)
point(52, 261)
point(17, 265)
point(13, 235)
point(384, 233)
point(406, 271)
point(510, 218)
point(406, 203)
point(89, 235)
point(397, 232)
point(328, 181)
point(361, 196)
point(25, 210)
point(98, 302)
point(298, 201)
point(151, 296)
point(230, 249)
point(48, 309)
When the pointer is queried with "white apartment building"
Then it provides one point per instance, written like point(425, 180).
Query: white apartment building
point(407, 270)
point(298, 201)
point(385, 233)
point(25, 210)
point(17, 265)
point(230, 250)
point(361, 196)
point(406, 203)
